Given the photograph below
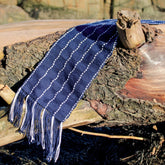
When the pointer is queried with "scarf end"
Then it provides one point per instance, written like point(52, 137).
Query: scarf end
point(37, 124)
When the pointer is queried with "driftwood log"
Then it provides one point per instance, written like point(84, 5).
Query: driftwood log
point(82, 115)
point(124, 92)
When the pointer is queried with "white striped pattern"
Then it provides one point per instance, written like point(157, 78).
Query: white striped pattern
point(33, 107)
point(90, 81)
point(55, 151)
point(76, 66)
point(11, 114)
point(68, 32)
point(79, 78)
point(42, 130)
point(59, 143)
point(26, 109)
point(82, 75)
point(53, 117)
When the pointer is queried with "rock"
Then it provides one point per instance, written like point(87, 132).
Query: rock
point(95, 9)
point(45, 10)
point(8, 2)
point(147, 9)
point(159, 4)
point(11, 13)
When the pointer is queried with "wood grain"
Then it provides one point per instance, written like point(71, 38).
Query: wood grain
point(150, 83)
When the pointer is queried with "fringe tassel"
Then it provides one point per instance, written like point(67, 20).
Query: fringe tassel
point(38, 124)
point(43, 130)
point(55, 139)
point(59, 144)
point(16, 108)
point(24, 121)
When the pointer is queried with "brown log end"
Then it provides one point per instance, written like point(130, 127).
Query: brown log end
point(130, 29)
point(149, 84)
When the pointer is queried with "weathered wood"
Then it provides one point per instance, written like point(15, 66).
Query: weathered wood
point(6, 93)
point(150, 84)
point(130, 29)
point(28, 41)
point(29, 54)
point(132, 92)
point(83, 114)
point(24, 32)
point(29, 30)
point(106, 89)
point(8, 133)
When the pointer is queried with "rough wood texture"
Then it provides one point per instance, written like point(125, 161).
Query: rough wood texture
point(133, 93)
point(83, 114)
point(150, 84)
point(27, 42)
point(29, 30)
point(29, 54)
point(8, 133)
point(108, 89)
point(130, 29)
point(6, 93)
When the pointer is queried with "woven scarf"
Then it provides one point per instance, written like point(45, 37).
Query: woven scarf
point(54, 88)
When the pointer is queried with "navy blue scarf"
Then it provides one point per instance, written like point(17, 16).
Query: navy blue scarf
point(60, 80)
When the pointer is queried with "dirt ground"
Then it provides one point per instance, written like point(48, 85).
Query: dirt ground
point(90, 150)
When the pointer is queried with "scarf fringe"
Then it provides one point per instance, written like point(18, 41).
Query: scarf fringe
point(40, 126)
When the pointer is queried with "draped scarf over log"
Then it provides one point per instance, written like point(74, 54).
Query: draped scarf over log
point(59, 81)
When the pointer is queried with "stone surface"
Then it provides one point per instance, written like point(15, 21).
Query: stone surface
point(159, 4)
point(8, 2)
point(98, 9)
point(65, 8)
point(80, 9)
point(147, 9)
point(11, 13)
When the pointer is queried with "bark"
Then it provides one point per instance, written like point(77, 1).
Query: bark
point(29, 54)
point(83, 114)
point(119, 93)
point(131, 84)
point(130, 29)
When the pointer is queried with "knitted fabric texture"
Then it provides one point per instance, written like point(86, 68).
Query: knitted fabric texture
point(57, 84)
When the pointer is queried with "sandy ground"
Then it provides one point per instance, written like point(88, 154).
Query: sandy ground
point(28, 30)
